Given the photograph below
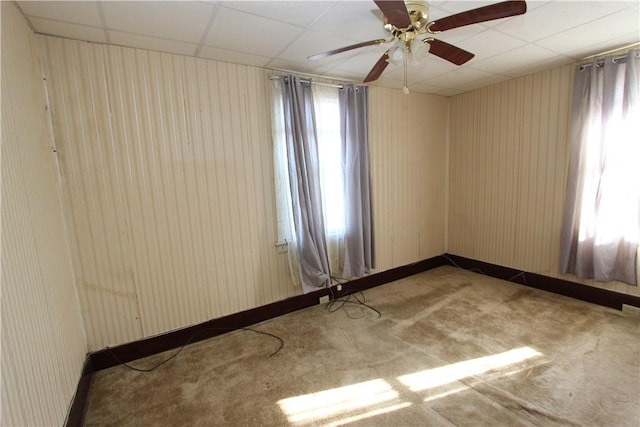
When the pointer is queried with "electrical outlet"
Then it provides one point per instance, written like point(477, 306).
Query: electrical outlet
point(283, 247)
point(324, 300)
point(631, 310)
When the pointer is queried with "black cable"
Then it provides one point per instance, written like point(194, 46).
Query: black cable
point(343, 301)
point(477, 270)
point(189, 342)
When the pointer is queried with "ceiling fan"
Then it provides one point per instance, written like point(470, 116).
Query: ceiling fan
point(406, 21)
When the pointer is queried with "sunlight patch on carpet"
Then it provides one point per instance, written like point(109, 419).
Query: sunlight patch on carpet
point(351, 399)
point(356, 402)
point(436, 377)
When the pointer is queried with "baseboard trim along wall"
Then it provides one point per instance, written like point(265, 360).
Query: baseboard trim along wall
point(107, 358)
point(78, 408)
point(575, 290)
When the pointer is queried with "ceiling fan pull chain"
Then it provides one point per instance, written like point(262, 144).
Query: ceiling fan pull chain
point(405, 89)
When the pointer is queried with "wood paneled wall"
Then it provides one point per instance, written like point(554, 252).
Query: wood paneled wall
point(168, 178)
point(509, 152)
point(408, 135)
point(43, 342)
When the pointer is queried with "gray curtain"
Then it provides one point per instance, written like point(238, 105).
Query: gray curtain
point(302, 152)
point(602, 209)
point(359, 256)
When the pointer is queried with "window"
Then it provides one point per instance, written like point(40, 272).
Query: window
point(602, 213)
point(323, 210)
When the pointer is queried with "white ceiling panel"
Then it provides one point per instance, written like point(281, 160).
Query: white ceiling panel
point(233, 56)
point(85, 13)
point(152, 43)
point(266, 36)
point(459, 78)
point(351, 19)
point(575, 40)
point(182, 21)
point(511, 63)
point(490, 43)
point(362, 62)
point(72, 31)
point(298, 67)
point(282, 34)
point(298, 13)
point(556, 17)
point(311, 42)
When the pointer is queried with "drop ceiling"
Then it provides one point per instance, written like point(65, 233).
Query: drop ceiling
point(279, 35)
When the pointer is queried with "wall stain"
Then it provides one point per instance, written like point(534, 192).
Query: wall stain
point(109, 291)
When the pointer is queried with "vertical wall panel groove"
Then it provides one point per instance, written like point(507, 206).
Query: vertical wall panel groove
point(508, 162)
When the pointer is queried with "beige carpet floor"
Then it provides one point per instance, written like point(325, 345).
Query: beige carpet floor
point(451, 348)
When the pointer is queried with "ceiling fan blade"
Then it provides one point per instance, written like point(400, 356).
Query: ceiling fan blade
point(396, 12)
point(481, 14)
point(377, 69)
point(344, 49)
point(449, 52)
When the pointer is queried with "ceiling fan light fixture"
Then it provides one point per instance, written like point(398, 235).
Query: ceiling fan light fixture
point(418, 53)
point(397, 54)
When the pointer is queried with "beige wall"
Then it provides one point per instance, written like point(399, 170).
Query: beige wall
point(167, 170)
point(408, 135)
point(43, 343)
point(508, 165)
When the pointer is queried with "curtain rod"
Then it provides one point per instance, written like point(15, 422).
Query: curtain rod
point(311, 82)
point(600, 62)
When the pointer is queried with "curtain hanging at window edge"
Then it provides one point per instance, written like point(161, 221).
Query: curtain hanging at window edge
point(302, 151)
point(589, 248)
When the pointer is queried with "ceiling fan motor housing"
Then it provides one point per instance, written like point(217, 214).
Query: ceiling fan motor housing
point(419, 15)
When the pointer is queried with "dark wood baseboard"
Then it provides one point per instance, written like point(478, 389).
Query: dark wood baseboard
point(551, 284)
point(75, 417)
point(107, 358)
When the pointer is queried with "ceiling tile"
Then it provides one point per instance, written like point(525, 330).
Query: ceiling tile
point(477, 83)
point(297, 67)
point(513, 62)
point(152, 43)
point(419, 73)
point(458, 78)
point(363, 61)
point(85, 12)
point(311, 42)
point(233, 56)
point(622, 23)
point(606, 46)
point(181, 21)
point(346, 76)
point(72, 31)
point(351, 19)
point(267, 37)
point(300, 13)
point(425, 87)
point(387, 82)
point(556, 16)
point(489, 43)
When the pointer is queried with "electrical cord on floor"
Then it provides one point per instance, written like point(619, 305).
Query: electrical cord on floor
point(477, 270)
point(191, 338)
point(349, 300)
